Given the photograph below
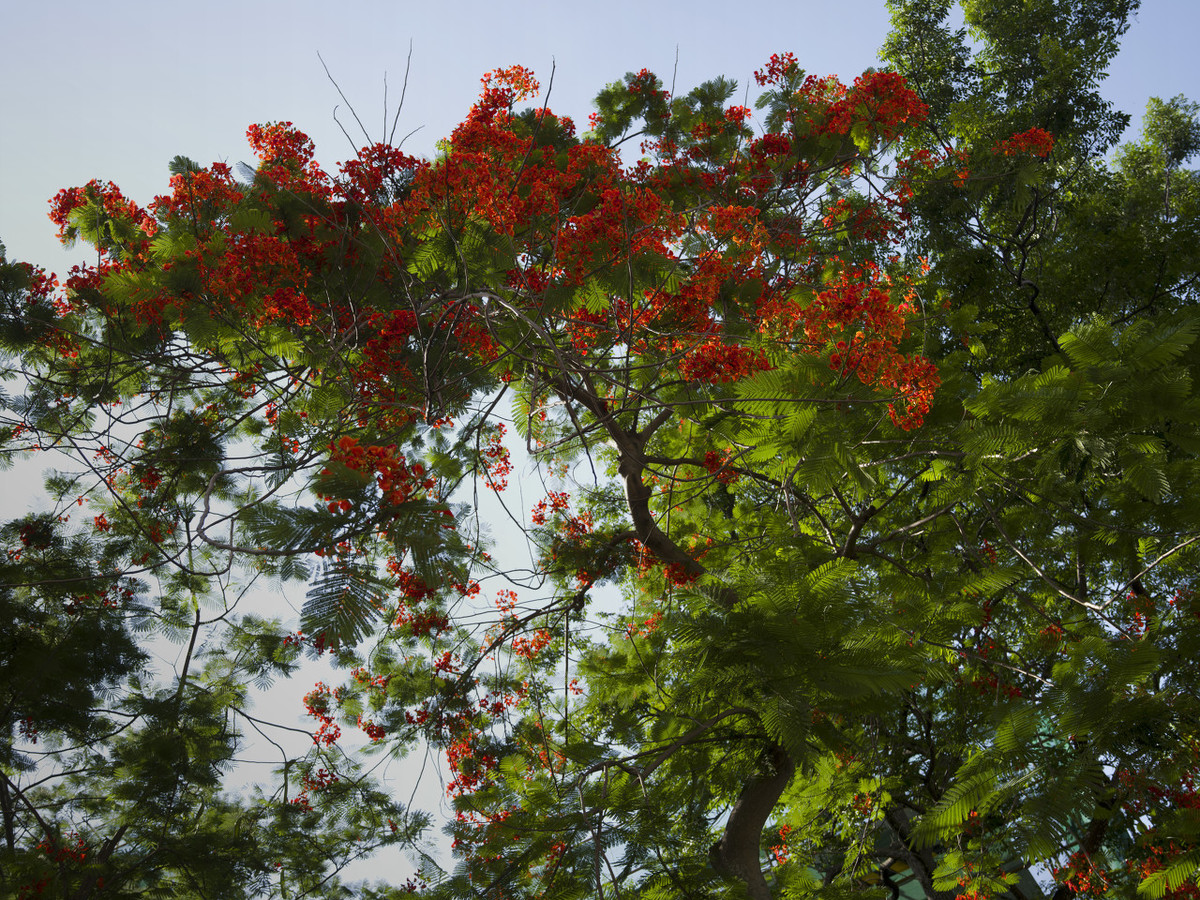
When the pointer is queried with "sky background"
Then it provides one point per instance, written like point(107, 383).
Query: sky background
point(115, 90)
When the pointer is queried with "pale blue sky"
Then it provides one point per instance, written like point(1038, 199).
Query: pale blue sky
point(114, 90)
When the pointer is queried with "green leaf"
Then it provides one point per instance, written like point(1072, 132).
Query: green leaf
point(1179, 872)
point(343, 603)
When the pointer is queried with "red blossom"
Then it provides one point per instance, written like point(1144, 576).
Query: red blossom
point(717, 464)
point(317, 704)
point(779, 67)
point(714, 362)
point(1035, 142)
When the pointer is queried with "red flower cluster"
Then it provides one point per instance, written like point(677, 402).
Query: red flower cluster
point(262, 275)
point(397, 481)
point(1082, 876)
point(59, 852)
point(1035, 142)
point(554, 502)
point(318, 780)
point(717, 464)
point(778, 68)
point(317, 704)
point(363, 179)
point(779, 853)
point(1156, 856)
point(108, 198)
point(883, 100)
point(287, 158)
point(204, 197)
point(715, 361)
point(530, 647)
point(496, 462)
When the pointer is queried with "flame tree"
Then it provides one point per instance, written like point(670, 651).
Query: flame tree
point(858, 402)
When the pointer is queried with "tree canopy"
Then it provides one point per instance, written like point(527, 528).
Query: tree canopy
point(861, 562)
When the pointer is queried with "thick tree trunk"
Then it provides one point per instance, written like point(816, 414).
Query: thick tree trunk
point(738, 853)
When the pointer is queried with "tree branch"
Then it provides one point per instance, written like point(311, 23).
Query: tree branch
point(737, 853)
